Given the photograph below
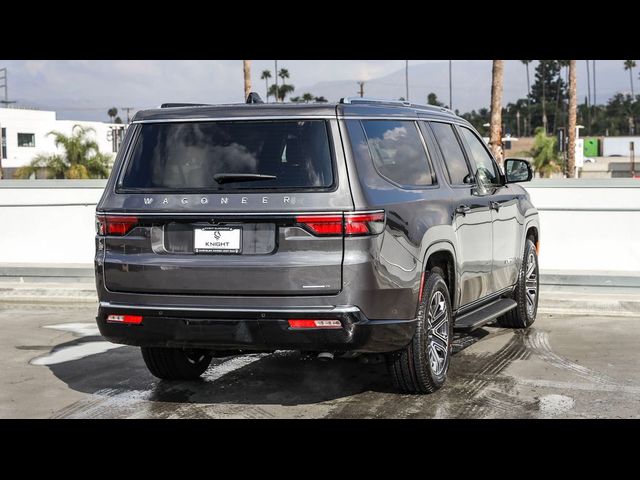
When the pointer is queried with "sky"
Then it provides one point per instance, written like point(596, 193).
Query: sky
point(86, 89)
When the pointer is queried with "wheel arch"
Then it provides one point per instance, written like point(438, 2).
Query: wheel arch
point(443, 255)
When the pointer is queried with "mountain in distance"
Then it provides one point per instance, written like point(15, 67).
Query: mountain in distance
point(471, 81)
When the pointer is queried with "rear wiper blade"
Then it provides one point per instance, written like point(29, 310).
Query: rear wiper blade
point(241, 177)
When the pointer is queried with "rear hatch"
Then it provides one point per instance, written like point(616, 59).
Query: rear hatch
point(243, 207)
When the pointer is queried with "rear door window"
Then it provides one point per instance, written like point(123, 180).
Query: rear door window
point(227, 156)
point(454, 160)
point(397, 151)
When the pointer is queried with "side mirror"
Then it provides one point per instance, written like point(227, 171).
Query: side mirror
point(517, 170)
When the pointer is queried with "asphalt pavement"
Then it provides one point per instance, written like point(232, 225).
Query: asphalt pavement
point(55, 364)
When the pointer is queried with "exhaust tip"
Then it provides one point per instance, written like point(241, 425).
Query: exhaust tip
point(325, 356)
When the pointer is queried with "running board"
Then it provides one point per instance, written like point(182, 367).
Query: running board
point(478, 318)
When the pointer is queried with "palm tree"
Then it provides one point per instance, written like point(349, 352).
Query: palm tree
point(283, 74)
point(284, 90)
point(266, 75)
point(571, 127)
point(307, 97)
point(81, 158)
point(246, 67)
point(495, 129)
point(112, 112)
point(630, 65)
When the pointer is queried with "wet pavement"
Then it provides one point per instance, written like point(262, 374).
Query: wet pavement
point(55, 364)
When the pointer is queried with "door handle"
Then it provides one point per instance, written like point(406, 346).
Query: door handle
point(463, 209)
point(495, 206)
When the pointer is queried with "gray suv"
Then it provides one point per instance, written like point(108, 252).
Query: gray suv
point(365, 226)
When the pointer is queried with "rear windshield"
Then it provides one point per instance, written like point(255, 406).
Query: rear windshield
point(230, 156)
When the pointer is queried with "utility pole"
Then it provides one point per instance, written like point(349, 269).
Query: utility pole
point(450, 92)
point(276, 77)
point(589, 99)
point(127, 109)
point(406, 77)
point(5, 85)
point(361, 92)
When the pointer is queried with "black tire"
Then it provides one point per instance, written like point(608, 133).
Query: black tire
point(175, 363)
point(411, 368)
point(524, 314)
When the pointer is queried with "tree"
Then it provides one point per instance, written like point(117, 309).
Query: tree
point(266, 75)
point(246, 67)
point(548, 84)
point(432, 99)
point(282, 93)
point(279, 92)
point(81, 158)
point(630, 65)
point(571, 127)
point(495, 129)
point(320, 99)
point(296, 99)
point(112, 112)
point(544, 153)
point(307, 97)
point(118, 120)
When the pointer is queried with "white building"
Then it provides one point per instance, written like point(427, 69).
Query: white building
point(24, 135)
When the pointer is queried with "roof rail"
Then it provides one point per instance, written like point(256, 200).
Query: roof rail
point(401, 103)
point(384, 101)
point(176, 105)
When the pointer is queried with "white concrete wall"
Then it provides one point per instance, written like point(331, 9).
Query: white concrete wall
point(586, 225)
point(619, 146)
point(40, 123)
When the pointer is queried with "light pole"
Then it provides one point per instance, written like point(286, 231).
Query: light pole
point(450, 93)
point(406, 77)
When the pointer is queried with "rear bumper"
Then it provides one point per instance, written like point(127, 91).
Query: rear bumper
point(254, 329)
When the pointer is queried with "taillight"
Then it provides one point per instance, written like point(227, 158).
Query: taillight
point(130, 319)
point(115, 224)
point(307, 323)
point(351, 224)
point(322, 224)
point(363, 223)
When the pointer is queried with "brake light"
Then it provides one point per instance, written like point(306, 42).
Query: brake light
point(115, 224)
point(130, 319)
point(352, 223)
point(306, 323)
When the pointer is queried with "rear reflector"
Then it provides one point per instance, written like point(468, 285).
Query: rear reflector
point(115, 224)
point(305, 323)
point(131, 319)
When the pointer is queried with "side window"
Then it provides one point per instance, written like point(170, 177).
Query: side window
point(397, 151)
point(452, 153)
point(481, 162)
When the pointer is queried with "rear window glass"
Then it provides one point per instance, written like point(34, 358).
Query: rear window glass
point(230, 155)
